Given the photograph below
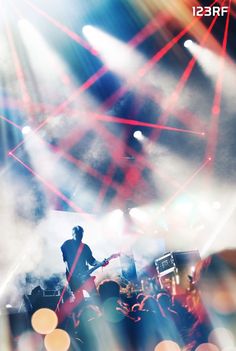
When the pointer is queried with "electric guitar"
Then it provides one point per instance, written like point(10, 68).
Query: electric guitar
point(84, 276)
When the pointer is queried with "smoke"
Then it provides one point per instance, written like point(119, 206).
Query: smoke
point(20, 245)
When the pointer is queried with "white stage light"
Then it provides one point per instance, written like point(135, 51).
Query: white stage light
point(210, 62)
point(25, 130)
point(138, 214)
point(188, 43)
point(43, 60)
point(115, 221)
point(117, 55)
point(138, 135)
point(118, 212)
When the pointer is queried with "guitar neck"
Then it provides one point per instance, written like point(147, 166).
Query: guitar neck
point(91, 270)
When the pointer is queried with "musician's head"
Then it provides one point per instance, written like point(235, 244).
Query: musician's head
point(77, 233)
point(108, 289)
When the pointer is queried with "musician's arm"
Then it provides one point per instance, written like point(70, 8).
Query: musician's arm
point(91, 260)
point(64, 258)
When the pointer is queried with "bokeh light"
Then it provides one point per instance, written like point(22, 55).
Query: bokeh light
point(222, 300)
point(207, 347)
point(58, 340)
point(44, 321)
point(30, 341)
point(167, 345)
point(222, 337)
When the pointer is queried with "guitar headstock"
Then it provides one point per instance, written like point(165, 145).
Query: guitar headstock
point(115, 255)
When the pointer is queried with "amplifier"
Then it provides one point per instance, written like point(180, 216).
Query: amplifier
point(174, 270)
point(34, 302)
point(176, 261)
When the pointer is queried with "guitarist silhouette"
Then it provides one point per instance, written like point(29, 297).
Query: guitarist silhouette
point(77, 257)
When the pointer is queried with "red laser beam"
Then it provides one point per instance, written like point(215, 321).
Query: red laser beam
point(105, 186)
point(89, 83)
point(182, 82)
point(65, 103)
point(186, 183)
point(160, 19)
point(87, 168)
point(114, 119)
point(148, 66)
point(74, 36)
point(187, 72)
point(10, 122)
point(216, 107)
point(51, 187)
point(109, 102)
point(111, 138)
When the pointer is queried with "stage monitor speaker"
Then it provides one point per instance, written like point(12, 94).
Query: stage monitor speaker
point(35, 302)
point(177, 260)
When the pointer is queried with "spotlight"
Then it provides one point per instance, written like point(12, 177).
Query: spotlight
point(118, 212)
point(117, 55)
point(25, 130)
point(138, 135)
point(88, 30)
point(188, 43)
point(138, 214)
point(8, 306)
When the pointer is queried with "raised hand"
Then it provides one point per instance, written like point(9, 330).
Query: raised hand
point(105, 262)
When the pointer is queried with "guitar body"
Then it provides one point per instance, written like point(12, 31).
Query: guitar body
point(77, 281)
point(84, 281)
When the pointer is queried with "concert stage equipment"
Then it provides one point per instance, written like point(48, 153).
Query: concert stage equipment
point(175, 268)
point(43, 299)
point(128, 268)
point(19, 323)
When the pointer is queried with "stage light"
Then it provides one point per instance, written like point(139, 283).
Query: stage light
point(117, 55)
point(138, 135)
point(25, 130)
point(43, 59)
point(184, 205)
point(8, 306)
point(115, 219)
point(209, 61)
point(118, 212)
point(188, 43)
point(138, 214)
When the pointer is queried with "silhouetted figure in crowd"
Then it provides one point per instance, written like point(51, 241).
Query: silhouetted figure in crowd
point(116, 314)
point(77, 257)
